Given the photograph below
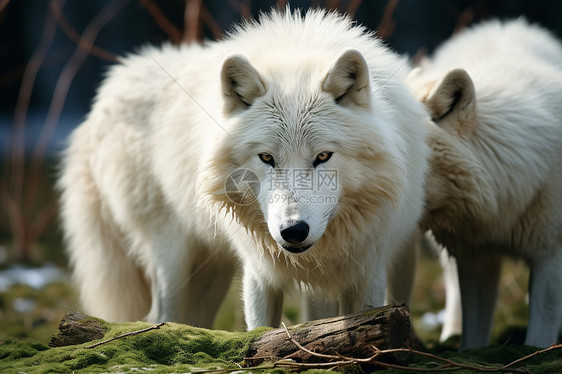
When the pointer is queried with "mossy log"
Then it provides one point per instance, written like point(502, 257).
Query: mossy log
point(350, 335)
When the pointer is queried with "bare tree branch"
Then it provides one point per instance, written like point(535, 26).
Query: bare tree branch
point(352, 7)
point(191, 17)
point(465, 18)
point(162, 21)
point(211, 22)
point(3, 5)
point(12, 194)
point(61, 90)
point(242, 7)
point(75, 37)
point(387, 23)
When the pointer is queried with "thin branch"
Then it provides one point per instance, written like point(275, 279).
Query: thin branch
point(191, 20)
point(352, 7)
point(551, 348)
point(211, 22)
point(449, 365)
point(3, 5)
point(63, 85)
point(76, 38)
point(281, 4)
point(333, 4)
point(465, 18)
point(387, 23)
point(162, 21)
point(153, 327)
point(12, 195)
point(228, 371)
point(242, 7)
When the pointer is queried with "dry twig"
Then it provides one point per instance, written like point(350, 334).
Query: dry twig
point(153, 327)
point(337, 360)
point(551, 348)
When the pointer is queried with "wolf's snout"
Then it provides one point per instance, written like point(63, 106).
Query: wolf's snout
point(295, 232)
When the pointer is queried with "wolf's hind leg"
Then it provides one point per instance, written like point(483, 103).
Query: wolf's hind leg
point(545, 306)
point(478, 279)
point(402, 271)
point(209, 281)
point(111, 285)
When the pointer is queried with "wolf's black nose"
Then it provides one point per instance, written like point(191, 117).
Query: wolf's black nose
point(294, 232)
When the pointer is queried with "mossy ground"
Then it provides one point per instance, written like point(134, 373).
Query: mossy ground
point(176, 348)
point(169, 349)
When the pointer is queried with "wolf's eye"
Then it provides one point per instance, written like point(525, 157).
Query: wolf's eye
point(321, 158)
point(266, 158)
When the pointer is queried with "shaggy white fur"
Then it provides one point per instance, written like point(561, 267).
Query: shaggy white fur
point(495, 185)
point(147, 204)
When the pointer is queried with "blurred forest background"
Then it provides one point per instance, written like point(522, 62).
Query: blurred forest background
point(52, 58)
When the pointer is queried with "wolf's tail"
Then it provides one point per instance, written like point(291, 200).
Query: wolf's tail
point(111, 286)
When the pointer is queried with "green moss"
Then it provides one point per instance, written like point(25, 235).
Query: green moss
point(172, 348)
point(181, 348)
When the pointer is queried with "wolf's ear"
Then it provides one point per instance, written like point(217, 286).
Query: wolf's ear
point(241, 84)
point(348, 80)
point(453, 98)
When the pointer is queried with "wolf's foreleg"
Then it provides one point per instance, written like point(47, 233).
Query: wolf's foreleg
point(263, 303)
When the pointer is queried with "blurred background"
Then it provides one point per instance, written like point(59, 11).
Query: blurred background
point(52, 58)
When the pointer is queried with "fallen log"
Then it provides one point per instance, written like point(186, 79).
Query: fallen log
point(352, 335)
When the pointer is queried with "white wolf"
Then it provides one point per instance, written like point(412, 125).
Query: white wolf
point(159, 182)
point(495, 185)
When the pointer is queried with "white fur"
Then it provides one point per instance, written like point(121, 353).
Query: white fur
point(495, 186)
point(150, 227)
